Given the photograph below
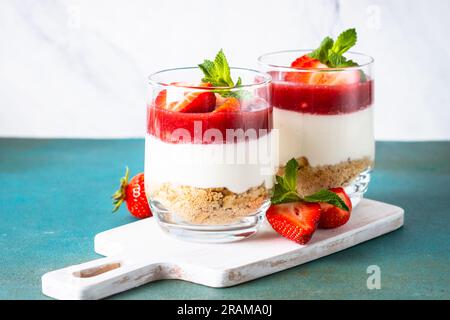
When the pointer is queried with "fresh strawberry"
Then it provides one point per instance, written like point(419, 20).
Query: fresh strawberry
point(296, 221)
point(160, 101)
point(133, 193)
point(191, 103)
point(328, 55)
point(229, 105)
point(304, 62)
point(333, 217)
point(320, 77)
point(195, 102)
point(334, 78)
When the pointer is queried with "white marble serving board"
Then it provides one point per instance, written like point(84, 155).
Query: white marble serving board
point(139, 252)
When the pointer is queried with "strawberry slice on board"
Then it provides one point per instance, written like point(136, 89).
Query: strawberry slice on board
point(229, 105)
point(332, 216)
point(296, 221)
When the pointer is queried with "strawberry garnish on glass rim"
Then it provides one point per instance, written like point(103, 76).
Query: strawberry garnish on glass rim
point(217, 76)
point(328, 55)
point(193, 101)
point(230, 104)
point(295, 217)
point(133, 194)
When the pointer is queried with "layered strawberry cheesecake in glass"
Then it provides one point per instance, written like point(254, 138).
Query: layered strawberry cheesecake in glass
point(208, 158)
point(325, 118)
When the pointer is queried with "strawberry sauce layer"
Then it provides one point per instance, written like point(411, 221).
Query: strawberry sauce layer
point(322, 99)
point(162, 124)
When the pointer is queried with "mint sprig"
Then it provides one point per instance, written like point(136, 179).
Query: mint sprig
point(328, 197)
point(285, 190)
point(331, 52)
point(218, 73)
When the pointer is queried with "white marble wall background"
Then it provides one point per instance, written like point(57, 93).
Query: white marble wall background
point(78, 68)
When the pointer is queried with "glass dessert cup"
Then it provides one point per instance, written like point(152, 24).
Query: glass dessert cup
point(208, 164)
point(324, 119)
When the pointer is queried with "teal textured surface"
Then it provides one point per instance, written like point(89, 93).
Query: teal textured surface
point(55, 197)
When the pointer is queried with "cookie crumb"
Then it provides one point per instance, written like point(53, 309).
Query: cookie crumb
point(314, 178)
point(210, 206)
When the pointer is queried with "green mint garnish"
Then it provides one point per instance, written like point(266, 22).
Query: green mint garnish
point(331, 52)
point(285, 189)
point(327, 196)
point(218, 73)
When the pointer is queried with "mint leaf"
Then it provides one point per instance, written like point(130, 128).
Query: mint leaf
point(218, 73)
point(338, 61)
point(331, 52)
point(290, 175)
point(329, 197)
point(285, 190)
point(321, 53)
point(345, 41)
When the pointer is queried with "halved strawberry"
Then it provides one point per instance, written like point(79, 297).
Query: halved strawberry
point(334, 77)
point(229, 105)
point(296, 221)
point(160, 101)
point(333, 217)
point(319, 77)
point(195, 102)
point(304, 62)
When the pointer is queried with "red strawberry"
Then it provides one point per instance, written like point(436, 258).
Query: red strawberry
point(296, 221)
point(160, 101)
point(335, 78)
point(304, 62)
point(195, 102)
point(319, 77)
point(133, 193)
point(333, 217)
point(229, 105)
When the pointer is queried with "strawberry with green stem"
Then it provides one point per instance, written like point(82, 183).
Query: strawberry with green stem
point(133, 194)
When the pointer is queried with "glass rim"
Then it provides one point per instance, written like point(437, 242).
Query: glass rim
point(289, 68)
point(266, 80)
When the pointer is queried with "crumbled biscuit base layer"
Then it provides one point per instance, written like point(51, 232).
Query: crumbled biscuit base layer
point(212, 206)
point(312, 179)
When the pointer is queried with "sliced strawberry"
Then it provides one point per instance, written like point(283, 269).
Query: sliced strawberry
point(195, 102)
point(307, 62)
point(334, 78)
point(229, 105)
point(319, 77)
point(333, 217)
point(296, 221)
point(160, 101)
point(304, 62)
